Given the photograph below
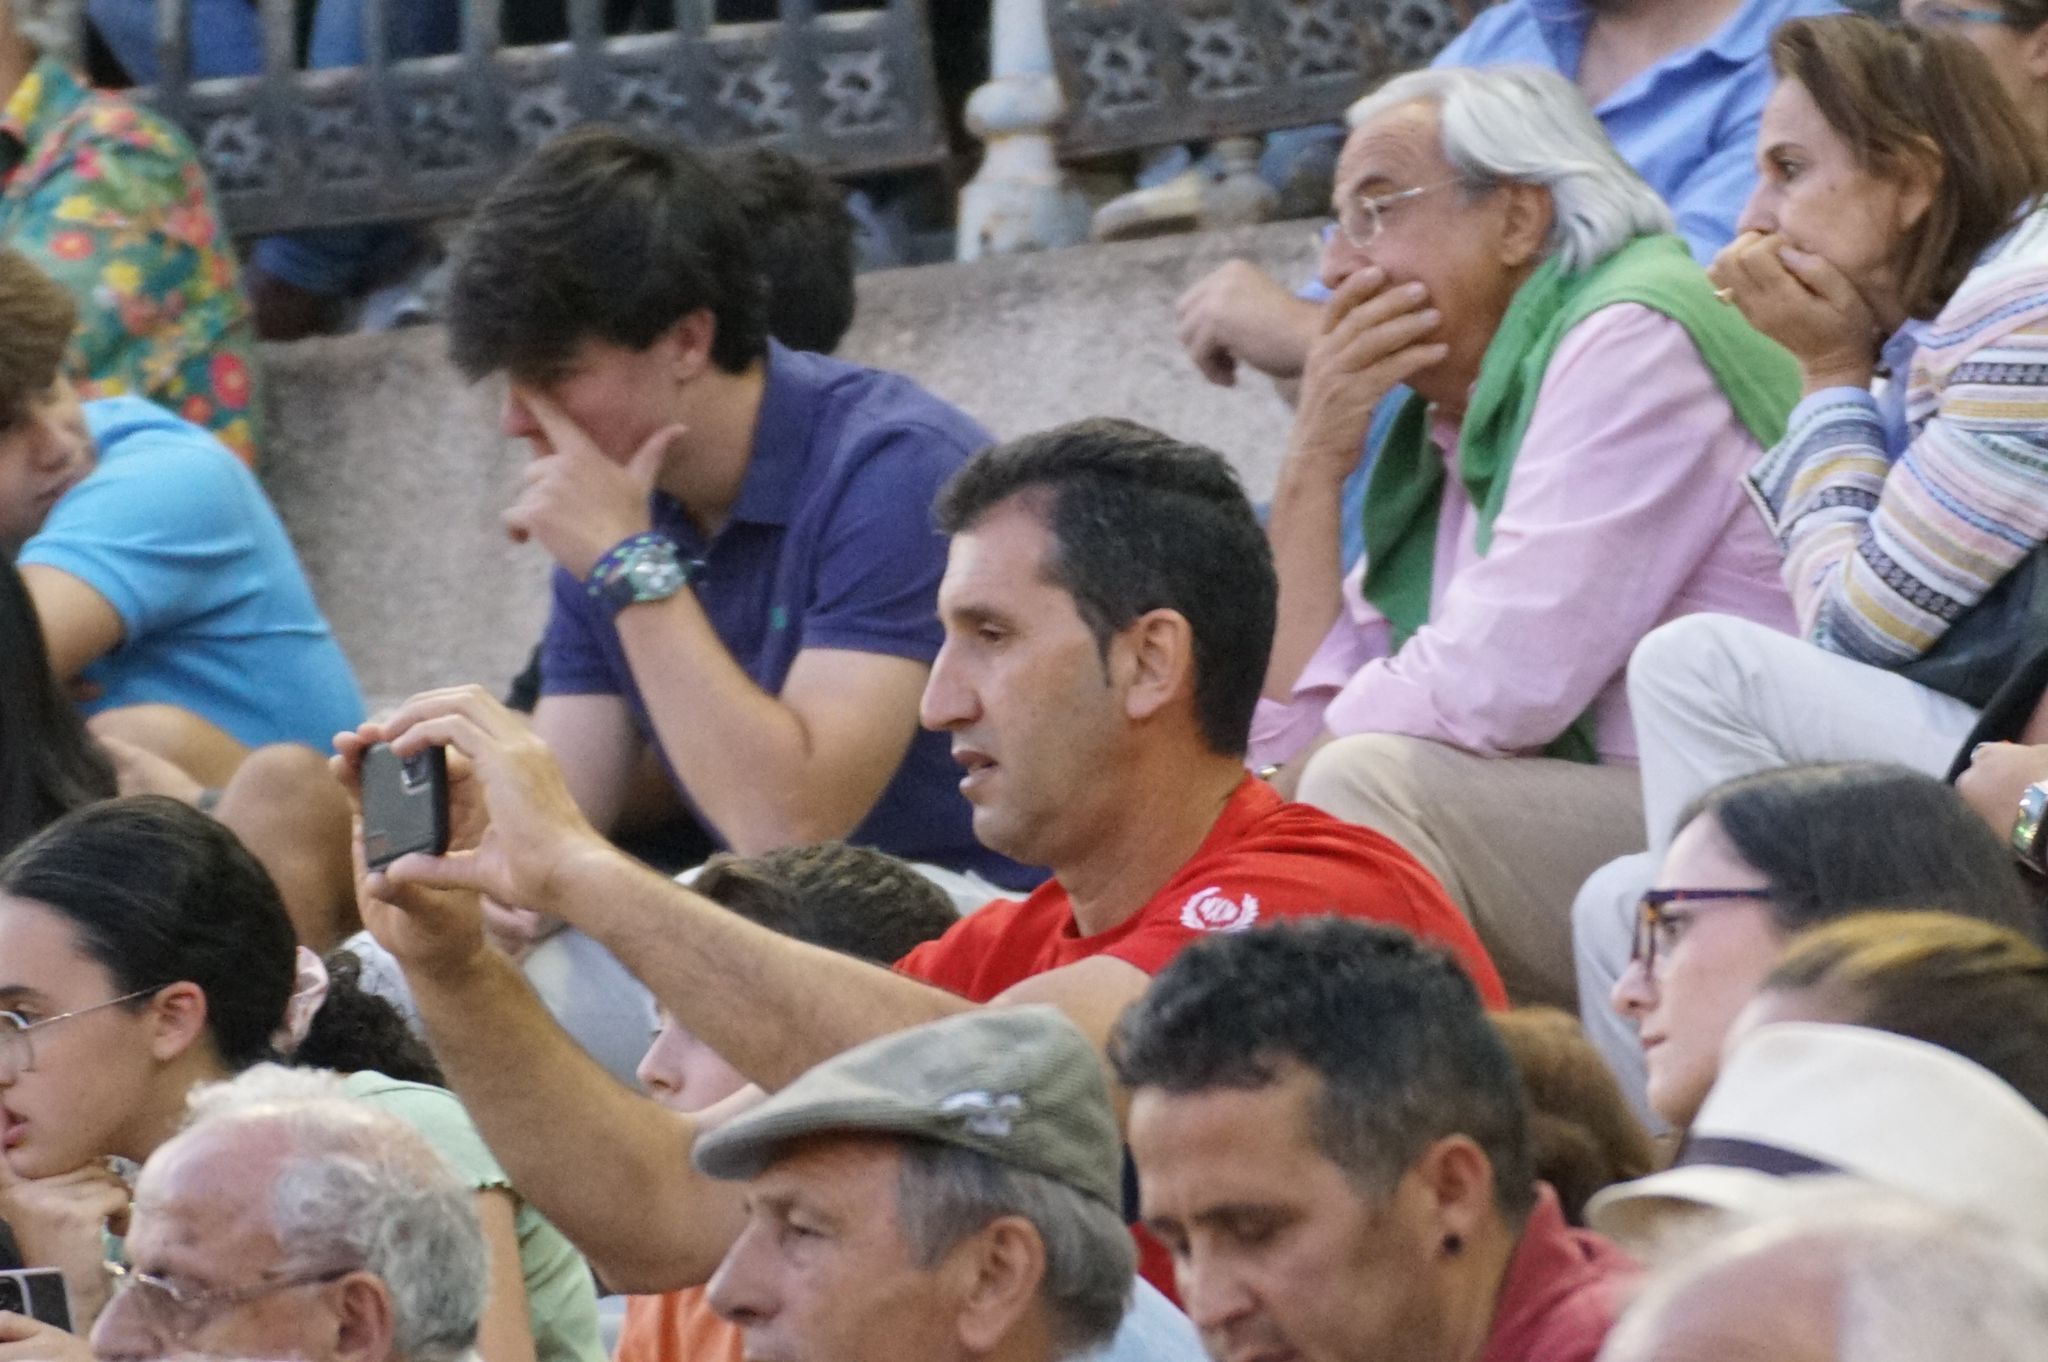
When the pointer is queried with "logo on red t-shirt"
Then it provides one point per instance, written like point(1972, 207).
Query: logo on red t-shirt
point(1211, 910)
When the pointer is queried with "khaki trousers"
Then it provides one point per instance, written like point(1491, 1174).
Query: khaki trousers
point(1511, 838)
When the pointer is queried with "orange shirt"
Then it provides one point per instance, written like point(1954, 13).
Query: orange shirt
point(676, 1327)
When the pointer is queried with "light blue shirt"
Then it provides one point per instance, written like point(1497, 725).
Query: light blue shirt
point(216, 615)
point(1688, 124)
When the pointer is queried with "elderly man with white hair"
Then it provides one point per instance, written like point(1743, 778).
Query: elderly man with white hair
point(289, 1221)
point(1846, 1275)
point(1565, 478)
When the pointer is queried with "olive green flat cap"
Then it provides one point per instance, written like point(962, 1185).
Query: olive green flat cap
point(1019, 1084)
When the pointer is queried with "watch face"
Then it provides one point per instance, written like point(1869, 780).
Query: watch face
point(654, 576)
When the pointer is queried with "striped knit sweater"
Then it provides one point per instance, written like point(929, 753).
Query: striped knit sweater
point(1886, 548)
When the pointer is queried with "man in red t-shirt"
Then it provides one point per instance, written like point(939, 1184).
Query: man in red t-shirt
point(1108, 605)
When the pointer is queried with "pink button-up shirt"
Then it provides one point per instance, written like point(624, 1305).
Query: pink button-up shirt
point(1625, 509)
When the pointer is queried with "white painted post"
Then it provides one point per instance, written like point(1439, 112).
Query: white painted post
point(1020, 199)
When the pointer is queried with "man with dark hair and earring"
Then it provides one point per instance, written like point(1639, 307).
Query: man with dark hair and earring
point(1332, 1141)
point(1108, 604)
point(746, 563)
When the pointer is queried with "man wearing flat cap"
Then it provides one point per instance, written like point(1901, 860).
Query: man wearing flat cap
point(948, 1193)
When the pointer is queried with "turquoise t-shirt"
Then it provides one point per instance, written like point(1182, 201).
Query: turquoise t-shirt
point(217, 617)
point(561, 1298)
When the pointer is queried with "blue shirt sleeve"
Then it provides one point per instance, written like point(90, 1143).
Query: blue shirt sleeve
point(881, 555)
point(574, 658)
point(158, 534)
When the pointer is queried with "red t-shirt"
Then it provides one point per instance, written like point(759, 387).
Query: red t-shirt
point(1563, 1291)
point(1265, 860)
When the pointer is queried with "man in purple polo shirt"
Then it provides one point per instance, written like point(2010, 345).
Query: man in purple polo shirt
point(747, 566)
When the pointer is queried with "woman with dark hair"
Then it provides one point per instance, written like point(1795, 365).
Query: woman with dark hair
point(1760, 859)
point(143, 952)
point(1907, 1050)
point(48, 766)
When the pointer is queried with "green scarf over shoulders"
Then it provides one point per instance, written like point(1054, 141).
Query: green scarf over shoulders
point(1404, 495)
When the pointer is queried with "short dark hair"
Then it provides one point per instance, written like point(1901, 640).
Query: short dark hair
point(602, 234)
point(37, 318)
point(853, 900)
point(1843, 837)
point(1141, 521)
point(1393, 1027)
point(803, 242)
point(159, 894)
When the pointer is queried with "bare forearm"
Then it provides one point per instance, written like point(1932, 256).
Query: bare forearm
point(746, 758)
point(1306, 533)
point(771, 1006)
point(629, 1197)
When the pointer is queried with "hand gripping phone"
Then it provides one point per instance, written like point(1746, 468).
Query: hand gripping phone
point(405, 804)
point(37, 1292)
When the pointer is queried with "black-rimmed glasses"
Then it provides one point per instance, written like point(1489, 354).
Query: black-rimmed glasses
point(1657, 928)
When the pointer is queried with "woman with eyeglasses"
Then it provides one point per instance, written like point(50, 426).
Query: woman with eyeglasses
point(1762, 858)
point(2012, 35)
point(144, 952)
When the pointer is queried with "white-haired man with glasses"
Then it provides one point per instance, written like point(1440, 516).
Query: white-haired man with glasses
point(1563, 478)
point(289, 1221)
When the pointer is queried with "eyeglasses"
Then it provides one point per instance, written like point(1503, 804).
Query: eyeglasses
point(17, 1050)
point(1947, 16)
point(1657, 929)
point(1362, 218)
point(173, 1312)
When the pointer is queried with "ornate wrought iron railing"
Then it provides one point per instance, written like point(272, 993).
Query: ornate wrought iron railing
point(851, 90)
point(1141, 73)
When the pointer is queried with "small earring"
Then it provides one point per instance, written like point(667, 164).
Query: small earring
point(1454, 1244)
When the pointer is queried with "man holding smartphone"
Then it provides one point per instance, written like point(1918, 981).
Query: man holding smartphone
point(1108, 605)
point(746, 563)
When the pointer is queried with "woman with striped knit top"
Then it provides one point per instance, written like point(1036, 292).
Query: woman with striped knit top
point(1897, 245)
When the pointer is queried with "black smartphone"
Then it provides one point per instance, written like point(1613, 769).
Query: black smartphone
point(37, 1292)
point(405, 804)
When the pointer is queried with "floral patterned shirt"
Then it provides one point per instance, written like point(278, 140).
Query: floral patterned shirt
point(110, 200)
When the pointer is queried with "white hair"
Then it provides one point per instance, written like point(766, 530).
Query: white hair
point(1527, 125)
point(363, 1188)
point(1908, 1281)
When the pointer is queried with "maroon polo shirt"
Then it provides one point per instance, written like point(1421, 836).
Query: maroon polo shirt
point(1564, 1289)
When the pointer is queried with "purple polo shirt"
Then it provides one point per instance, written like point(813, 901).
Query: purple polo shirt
point(831, 544)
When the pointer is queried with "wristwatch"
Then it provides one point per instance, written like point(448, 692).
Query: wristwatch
point(647, 567)
point(2027, 842)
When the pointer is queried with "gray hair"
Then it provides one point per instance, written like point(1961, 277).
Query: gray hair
point(947, 1193)
point(1909, 1281)
point(362, 1187)
point(1527, 125)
